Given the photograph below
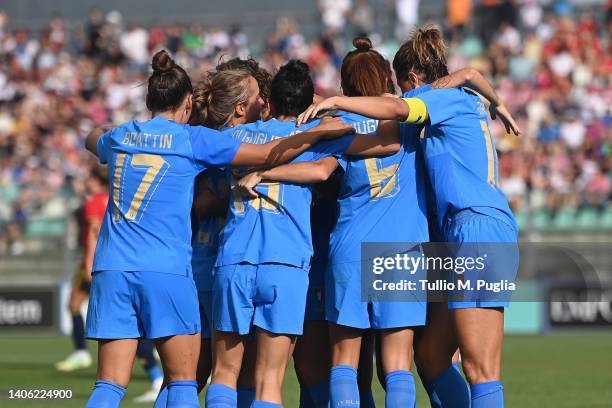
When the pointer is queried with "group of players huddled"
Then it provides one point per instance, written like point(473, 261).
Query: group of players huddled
point(235, 220)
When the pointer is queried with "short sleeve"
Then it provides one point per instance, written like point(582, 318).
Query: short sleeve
point(94, 209)
point(333, 147)
point(442, 104)
point(103, 146)
point(211, 147)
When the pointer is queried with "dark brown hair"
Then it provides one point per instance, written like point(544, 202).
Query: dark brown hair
point(292, 89)
point(364, 71)
point(263, 77)
point(424, 54)
point(168, 84)
point(216, 96)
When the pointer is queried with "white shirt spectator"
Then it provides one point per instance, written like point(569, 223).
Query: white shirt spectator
point(333, 13)
point(133, 44)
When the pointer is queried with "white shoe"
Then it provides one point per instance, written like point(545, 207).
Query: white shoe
point(151, 395)
point(77, 360)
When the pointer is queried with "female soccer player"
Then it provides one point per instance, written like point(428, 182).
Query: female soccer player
point(461, 164)
point(142, 285)
point(238, 99)
point(260, 278)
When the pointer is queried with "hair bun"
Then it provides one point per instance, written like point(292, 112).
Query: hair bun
point(362, 44)
point(162, 62)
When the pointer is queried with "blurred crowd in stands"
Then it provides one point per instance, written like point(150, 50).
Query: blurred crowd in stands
point(551, 65)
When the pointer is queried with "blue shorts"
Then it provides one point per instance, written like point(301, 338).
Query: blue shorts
point(468, 227)
point(344, 306)
point(315, 304)
point(270, 296)
point(129, 305)
point(203, 270)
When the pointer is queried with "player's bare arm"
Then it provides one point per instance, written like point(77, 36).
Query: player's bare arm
point(281, 150)
point(301, 173)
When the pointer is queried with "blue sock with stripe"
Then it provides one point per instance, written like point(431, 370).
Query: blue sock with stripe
point(183, 394)
point(265, 404)
point(487, 395)
point(401, 391)
point(343, 389)
point(221, 396)
point(246, 396)
point(162, 398)
point(105, 394)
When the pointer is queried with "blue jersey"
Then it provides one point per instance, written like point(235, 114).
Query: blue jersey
point(274, 227)
point(381, 199)
point(152, 166)
point(205, 240)
point(460, 155)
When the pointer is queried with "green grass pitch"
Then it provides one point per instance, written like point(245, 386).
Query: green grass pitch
point(552, 371)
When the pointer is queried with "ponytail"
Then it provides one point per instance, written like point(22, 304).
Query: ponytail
point(424, 53)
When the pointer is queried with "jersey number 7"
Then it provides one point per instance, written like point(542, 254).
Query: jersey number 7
point(127, 173)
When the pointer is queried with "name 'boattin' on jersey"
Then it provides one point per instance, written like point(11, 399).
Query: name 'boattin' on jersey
point(274, 227)
point(381, 199)
point(460, 156)
point(152, 166)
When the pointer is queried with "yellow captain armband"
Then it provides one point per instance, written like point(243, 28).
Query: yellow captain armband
point(417, 111)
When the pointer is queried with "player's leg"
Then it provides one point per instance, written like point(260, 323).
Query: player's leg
point(246, 379)
point(115, 361)
point(179, 357)
point(80, 358)
point(112, 319)
point(232, 314)
point(480, 332)
point(273, 354)
point(365, 370)
point(478, 316)
point(167, 309)
point(280, 299)
point(228, 351)
point(146, 354)
point(346, 348)
point(312, 362)
point(435, 344)
point(396, 355)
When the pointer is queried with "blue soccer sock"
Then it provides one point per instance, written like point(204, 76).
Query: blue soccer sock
point(401, 391)
point(183, 394)
point(343, 389)
point(105, 394)
point(487, 395)
point(265, 404)
point(78, 331)
point(221, 396)
point(162, 398)
point(246, 396)
point(319, 394)
point(366, 398)
point(450, 389)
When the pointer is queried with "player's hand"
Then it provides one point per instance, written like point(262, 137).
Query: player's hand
point(501, 112)
point(333, 128)
point(246, 185)
point(314, 109)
